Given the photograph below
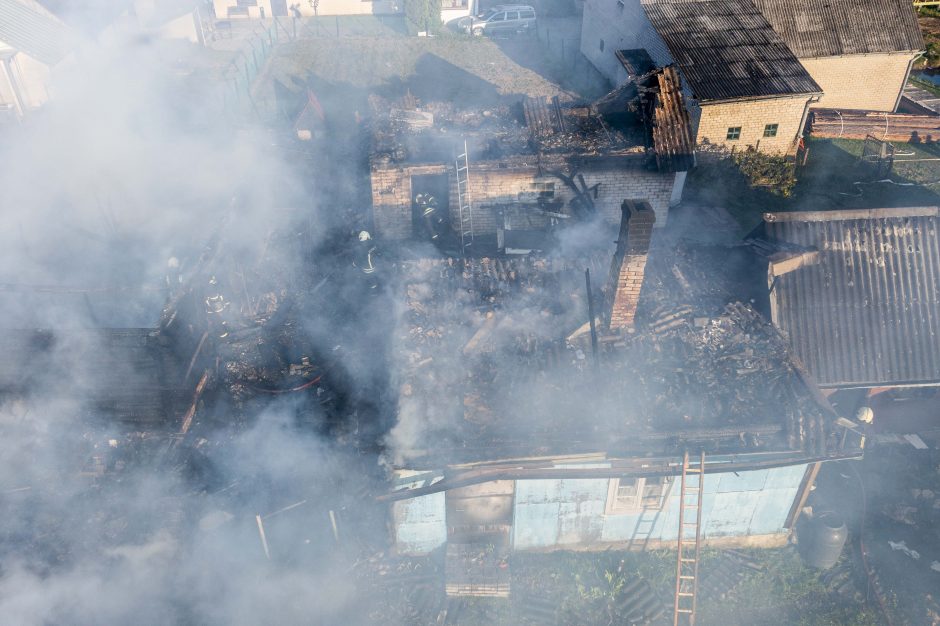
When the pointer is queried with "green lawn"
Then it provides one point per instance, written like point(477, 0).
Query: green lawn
point(586, 589)
point(446, 64)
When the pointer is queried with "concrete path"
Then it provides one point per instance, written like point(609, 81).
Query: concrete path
point(922, 98)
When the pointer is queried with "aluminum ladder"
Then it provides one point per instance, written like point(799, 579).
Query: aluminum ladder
point(689, 547)
point(464, 204)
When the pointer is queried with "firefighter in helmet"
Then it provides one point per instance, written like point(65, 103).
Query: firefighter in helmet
point(430, 213)
point(216, 307)
point(364, 259)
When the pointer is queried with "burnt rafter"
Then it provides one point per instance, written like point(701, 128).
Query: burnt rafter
point(582, 203)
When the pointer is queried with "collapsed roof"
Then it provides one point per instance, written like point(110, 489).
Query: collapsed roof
point(642, 119)
point(492, 366)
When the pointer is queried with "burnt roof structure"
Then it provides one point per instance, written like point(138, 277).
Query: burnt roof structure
point(838, 27)
point(624, 125)
point(727, 49)
point(430, 133)
point(496, 365)
point(859, 299)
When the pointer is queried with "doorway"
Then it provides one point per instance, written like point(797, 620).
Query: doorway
point(430, 207)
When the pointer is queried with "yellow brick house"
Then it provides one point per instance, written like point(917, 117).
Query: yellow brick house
point(752, 69)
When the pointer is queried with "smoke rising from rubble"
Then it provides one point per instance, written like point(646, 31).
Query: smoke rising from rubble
point(128, 165)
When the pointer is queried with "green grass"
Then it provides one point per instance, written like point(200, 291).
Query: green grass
point(785, 592)
point(508, 68)
point(925, 85)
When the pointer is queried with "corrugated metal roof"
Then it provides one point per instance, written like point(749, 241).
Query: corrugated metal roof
point(33, 32)
point(868, 313)
point(726, 49)
point(815, 29)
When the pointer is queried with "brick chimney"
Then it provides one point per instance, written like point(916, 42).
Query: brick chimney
point(629, 263)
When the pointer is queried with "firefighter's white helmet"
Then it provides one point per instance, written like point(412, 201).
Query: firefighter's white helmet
point(364, 235)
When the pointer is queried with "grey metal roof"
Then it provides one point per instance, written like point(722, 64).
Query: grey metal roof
point(33, 32)
point(726, 49)
point(868, 313)
point(814, 28)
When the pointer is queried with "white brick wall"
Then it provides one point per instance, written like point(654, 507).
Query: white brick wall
point(391, 193)
point(621, 28)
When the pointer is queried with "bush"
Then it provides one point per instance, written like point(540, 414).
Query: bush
point(775, 173)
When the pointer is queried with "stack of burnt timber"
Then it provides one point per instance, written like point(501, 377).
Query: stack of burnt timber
point(831, 123)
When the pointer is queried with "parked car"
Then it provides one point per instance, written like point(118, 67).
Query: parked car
point(501, 20)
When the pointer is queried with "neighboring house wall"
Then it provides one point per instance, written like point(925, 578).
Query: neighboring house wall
point(621, 28)
point(870, 82)
point(183, 27)
point(9, 106)
point(746, 509)
point(324, 7)
point(753, 116)
point(491, 185)
point(453, 10)
point(29, 77)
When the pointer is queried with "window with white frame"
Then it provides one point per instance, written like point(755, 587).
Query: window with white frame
point(633, 495)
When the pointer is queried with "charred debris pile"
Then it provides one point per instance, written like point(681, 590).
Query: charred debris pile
point(496, 361)
point(406, 131)
point(647, 117)
point(241, 330)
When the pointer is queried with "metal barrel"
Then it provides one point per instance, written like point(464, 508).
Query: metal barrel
point(827, 535)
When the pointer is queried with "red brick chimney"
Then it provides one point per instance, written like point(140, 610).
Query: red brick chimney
point(629, 263)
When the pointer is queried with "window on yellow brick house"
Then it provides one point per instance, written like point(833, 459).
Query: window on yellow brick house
point(734, 133)
point(770, 130)
point(633, 495)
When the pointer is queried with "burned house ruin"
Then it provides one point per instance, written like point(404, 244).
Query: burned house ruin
point(503, 177)
point(526, 425)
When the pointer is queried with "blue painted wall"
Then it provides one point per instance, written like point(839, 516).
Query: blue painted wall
point(559, 513)
point(420, 524)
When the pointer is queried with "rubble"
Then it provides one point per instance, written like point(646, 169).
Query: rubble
point(491, 330)
point(533, 127)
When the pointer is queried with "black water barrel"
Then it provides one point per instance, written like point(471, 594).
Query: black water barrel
point(827, 538)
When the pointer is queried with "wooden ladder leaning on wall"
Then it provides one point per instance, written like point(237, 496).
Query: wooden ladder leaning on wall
point(688, 547)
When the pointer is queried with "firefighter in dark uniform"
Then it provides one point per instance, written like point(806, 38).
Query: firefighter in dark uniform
point(432, 216)
point(216, 307)
point(365, 257)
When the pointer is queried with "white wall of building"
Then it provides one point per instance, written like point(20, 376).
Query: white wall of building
point(621, 25)
point(324, 7)
point(24, 81)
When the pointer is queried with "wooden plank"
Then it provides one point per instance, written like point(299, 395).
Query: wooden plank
point(188, 417)
point(806, 485)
